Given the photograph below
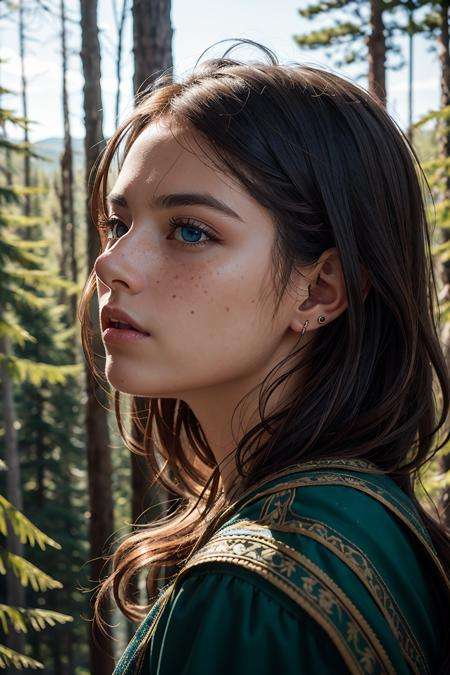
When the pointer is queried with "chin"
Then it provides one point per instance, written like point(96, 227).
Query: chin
point(123, 379)
point(127, 382)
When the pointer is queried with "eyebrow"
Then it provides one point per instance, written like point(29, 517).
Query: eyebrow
point(179, 199)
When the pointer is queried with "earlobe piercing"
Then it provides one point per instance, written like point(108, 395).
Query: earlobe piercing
point(321, 319)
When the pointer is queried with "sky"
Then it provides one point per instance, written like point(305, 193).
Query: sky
point(197, 25)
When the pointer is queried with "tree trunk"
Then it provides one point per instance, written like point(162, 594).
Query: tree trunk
point(101, 523)
point(144, 497)
point(120, 24)
point(26, 157)
point(15, 592)
point(40, 459)
point(410, 71)
point(68, 244)
point(152, 41)
point(377, 52)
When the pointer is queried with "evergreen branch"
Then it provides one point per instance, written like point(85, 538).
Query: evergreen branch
point(17, 334)
point(8, 115)
point(321, 7)
point(442, 114)
point(26, 572)
point(433, 165)
point(326, 37)
point(18, 220)
point(65, 335)
point(23, 256)
point(443, 250)
point(26, 531)
point(443, 213)
point(9, 657)
point(23, 244)
point(445, 316)
point(5, 90)
point(12, 193)
point(42, 279)
point(8, 196)
point(22, 148)
point(26, 370)
point(24, 190)
point(29, 298)
point(38, 619)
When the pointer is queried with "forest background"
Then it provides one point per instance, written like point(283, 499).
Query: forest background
point(69, 72)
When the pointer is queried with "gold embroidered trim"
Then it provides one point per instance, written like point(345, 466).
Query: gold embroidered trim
point(352, 464)
point(279, 512)
point(347, 479)
point(310, 587)
point(361, 465)
point(350, 554)
point(366, 486)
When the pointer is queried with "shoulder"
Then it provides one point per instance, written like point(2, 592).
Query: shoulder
point(343, 559)
point(224, 619)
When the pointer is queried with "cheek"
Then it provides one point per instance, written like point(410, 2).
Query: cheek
point(211, 328)
point(215, 318)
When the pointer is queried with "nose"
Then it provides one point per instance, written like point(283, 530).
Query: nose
point(120, 265)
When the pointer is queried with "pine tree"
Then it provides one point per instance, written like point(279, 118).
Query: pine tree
point(101, 522)
point(22, 274)
point(358, 31)
point(437, 169)
point(51, 443)
point(21, 618)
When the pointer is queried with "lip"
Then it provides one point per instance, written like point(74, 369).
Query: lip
point(112, 312)
point(123, 335)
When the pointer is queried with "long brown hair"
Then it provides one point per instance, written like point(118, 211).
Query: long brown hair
point(334, 170)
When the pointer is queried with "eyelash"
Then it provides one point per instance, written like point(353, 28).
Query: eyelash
point(174, 223)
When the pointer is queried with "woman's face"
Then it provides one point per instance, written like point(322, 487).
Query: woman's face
point(207, 306)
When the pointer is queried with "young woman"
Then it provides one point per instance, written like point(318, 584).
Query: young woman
point(266, 238)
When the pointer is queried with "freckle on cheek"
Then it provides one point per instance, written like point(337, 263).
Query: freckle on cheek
point(227, 308)
point(174, 296)
point(192, 311)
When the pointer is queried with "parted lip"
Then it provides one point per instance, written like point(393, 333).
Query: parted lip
point(112, 313)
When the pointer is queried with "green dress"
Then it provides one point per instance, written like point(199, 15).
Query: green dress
point(325, 567)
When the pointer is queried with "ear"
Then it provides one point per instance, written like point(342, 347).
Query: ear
point(327, 293)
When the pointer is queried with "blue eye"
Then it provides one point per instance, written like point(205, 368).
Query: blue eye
point(190, 231)
point(109, 225)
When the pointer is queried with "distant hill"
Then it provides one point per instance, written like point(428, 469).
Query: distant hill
point(51, 148)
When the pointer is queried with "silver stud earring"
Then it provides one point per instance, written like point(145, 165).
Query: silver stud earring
point(303, 331)
point(321, 319)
